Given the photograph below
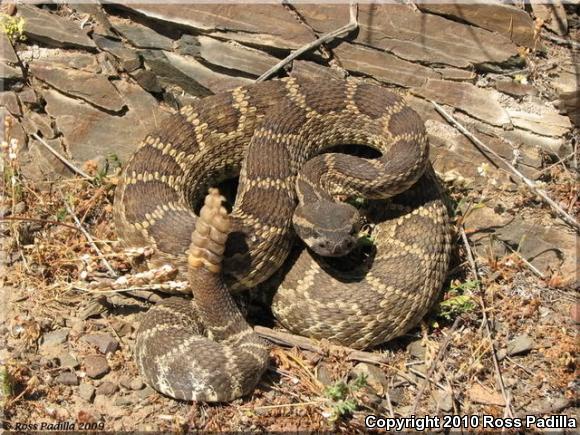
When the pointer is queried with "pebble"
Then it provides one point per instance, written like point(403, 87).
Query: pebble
point(96, 366)
point(107, 389)
point(68, 361)
point(67, 378)
point(396, 395)
point(324, 375)
point(520, 344)
point(145, 392)
point(375, 377)
point(416, 349)
point(129, 399)
point(444, 400)
point(87, 392)
point(53, 338)
point(105, 343)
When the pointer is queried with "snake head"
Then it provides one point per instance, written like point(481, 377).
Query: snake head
point(328, 228)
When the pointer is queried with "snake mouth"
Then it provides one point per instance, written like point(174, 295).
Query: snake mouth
point(328, 248)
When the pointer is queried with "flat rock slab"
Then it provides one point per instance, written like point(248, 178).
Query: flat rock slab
point(90, 133)
point(234, 56)
point(53, 30)
point(311, 70)
point(413, 35)
point(263, 24)
point(142, 36)
point(92, 88)
point(8, 60)
point(510, 21)
point(477, 102)
point(383, 66)
point(548, 123)
point(128, 58)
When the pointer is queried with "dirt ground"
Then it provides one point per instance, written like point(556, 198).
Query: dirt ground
point(501, 341)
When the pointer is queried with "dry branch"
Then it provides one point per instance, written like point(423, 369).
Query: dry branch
point(61, 158)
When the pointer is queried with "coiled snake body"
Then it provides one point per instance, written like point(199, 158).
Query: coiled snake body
point(273, 134)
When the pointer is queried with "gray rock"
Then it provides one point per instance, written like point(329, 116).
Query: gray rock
point(95, 10)
point(34, 122)
point(520, 344)
point(128, 59)
point(129, 399)
point(383, 66)
point(136, 384)
point(515, 89)
point(145, 392)
point(92, 88)
point(107, 389)
point(234, 56)
point(308, 70)
point(417, 349)
point(67, 378)
point(9, 63)
point(324, 375)
point(396, 395)
point(96, 366)
point(28, 96)
point(142, 36)
point(187, 45)
point(545, 123)
point(53, 30)
point(55, 337)
point(147, 80)
point(444, 400)
point(375, 377)
point(40, 164)
point(87, 391)
point(68, 361)
point(9, 100)
point(105, 343)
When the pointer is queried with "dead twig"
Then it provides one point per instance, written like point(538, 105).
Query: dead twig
point(561, 41)
point(352, 25)
point(557, 209)
point(41, 221)
point(291, 340)
point(471, 260)
point(61, 158)
point(431, 370)
point(87, 236)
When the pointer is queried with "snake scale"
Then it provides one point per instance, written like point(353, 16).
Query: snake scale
point(278, 136)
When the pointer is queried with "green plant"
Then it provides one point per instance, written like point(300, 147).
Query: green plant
point(13, 27)
point(458, 300)
point(341, 395)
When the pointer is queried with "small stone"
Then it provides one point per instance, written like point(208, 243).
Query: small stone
point(68, 361)
point(520, 344)
point(136, 384)
point(28, 96)
point(188, 45)
point(142, 36)
point(56, 337)
point(396, 395)
point(147, 80)
point(324, 375)
point(478, 394)
point(417, 349)
point(107, 389)
point(515, 89)
point(145, 392)
point(129, 399)
point(128, 58)
point(87, 391)
point(444, 400)
point(67, 378)
point(8, 99)
point(96, 366)
point(105, 343)
point(375, 377)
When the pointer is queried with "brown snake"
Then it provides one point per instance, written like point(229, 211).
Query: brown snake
point(274, 135)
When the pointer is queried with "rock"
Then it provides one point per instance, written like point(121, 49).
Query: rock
point(575, 312)
point(92, 88)
point(87, 391)
point(94, 10)
point(417, 349)
point(68, 361)
point(512, 22)
point(545, 123)
point(9, 62)
point(28, 96)
point(444, 400)
point(9, 100)
point(105, 343)
point(234, 56)
point(67, 378)
point(309, 70)
point(207, 78)
point(142, 36)
point(415, 36)
point(90, 133)
point(129, 60)
point(383, 66)
point(53, 30)
point(147, 80)
point(520, 344)
point(107, 389)
point(188, 45)
point(136, 384)
point(570, 104)
point(260, 24)
point(145, 392)
point(96, 366)
point(52, 338)
point(515, 89)
point(126, 400)
point(324, 374)
point(374, 376)
point(553, 16)
point(396, 395)
point(39, 164)
point(478, 394)
point(480, 103)
point(34, 122)
point(449, 73)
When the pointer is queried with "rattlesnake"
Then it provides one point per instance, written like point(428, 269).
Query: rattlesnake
point(272, 134)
